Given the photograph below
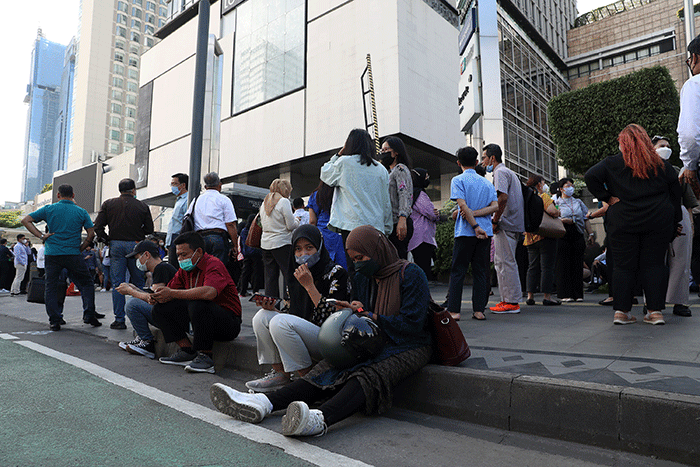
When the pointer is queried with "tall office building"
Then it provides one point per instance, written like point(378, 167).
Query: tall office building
point(513, 63)
point(111, 38)
point(43, 99)
point(64, 119)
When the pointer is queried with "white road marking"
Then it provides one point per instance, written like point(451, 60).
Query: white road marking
point(8, 337)
point(258, 434)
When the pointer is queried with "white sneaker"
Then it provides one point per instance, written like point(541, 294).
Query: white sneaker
point(124, 345)
point(4, 291)
point(242, 406)
point(103, 290)
point(302, 421)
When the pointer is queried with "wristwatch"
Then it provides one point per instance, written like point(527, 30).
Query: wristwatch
point(475, 226)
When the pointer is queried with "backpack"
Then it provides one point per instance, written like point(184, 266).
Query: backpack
point(533, 209)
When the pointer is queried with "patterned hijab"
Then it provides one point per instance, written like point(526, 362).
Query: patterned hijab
point(371, 242)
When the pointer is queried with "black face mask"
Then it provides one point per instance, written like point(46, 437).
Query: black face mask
point(387, 159)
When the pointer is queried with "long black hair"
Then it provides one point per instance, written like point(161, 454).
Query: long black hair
point(324, 197)
point(360, 142)
point(399, 148)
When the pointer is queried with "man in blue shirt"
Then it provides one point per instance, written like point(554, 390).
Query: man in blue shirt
point(477, 200)
point(178, 186)
point(63, 246)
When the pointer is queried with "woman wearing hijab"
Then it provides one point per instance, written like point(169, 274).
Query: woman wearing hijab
point(392, 292)
point(422, 244)
point(644, 213)
point(288, 341)
point(278, 223)
point(320, 203)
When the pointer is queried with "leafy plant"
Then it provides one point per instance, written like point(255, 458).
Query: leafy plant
point(584, 124)
point(444, 237)
point(10, 219)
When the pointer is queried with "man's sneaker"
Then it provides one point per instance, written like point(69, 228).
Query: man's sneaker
point(180, 357)
point(145, 348)
point(202, 363)
point(118, 325)
point(302, 421)
point(623, 318)
point(505, 307)
point(124, 345)
point(251, 408)
point(655, 317)
point(268, 383)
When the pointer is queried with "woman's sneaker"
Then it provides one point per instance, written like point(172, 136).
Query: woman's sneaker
point(268, 383)
point(302, 421)
point(145, 348)
point(180, 357)
point(251, 408)
point(623, 318)
point(125, 345)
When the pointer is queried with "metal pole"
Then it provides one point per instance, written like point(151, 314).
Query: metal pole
point(200, 87)
point(689, 21)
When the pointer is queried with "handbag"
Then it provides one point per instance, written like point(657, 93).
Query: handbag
point(449, 345)
point(254, 233)
point(551, 227)
point(188, 220)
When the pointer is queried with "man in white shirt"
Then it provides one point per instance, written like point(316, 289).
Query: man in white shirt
point(689, 119)
point(215, 219)
point(300, 214)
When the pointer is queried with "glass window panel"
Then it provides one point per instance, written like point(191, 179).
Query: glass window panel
point(116, 121)
point(136, 24)
point(133, 74)
point(619, 60)
point(131, 112)
point(116, 95)
point(133, 61)
point(654, 49)
point(114, 148)
point(148, 42)
point(131, 86)
point(116, 108)
point(119, 57)
point(138, 2)
point(595, 65)
point(630, 57)
point(149, 29)
point(136, 12)
point(150, 18)
point(130, 125)
point(118, 69)
point(131, 99)
point(135, 37)
point(122, 6)
point(641, 53)
point(119, 45)
point(129, 138)
point(118, 82)
point(121, 18)
point(607, 62)
point(115, 135)
point(121, 31)
point(150, 6)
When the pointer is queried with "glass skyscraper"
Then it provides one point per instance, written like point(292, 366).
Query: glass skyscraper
point(40, 160)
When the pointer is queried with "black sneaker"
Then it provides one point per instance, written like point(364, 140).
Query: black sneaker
point(55, 327)
point(99, 315)
point(201, 364)
point(180, 357)
point(117, 325)
point(124, 345)
point(145, 348)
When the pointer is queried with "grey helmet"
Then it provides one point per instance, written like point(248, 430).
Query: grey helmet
point(346, 339)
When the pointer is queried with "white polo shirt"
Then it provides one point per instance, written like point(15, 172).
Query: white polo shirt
point(213, 211)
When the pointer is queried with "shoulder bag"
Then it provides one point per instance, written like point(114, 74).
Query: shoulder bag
point(551, 227)
point(254, 233)
point(188, 220)
point(449, 345)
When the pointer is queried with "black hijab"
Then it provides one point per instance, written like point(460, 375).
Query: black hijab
point(300, 303)
point(421, 180)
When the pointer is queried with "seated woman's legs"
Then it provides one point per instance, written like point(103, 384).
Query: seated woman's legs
point(296, 341)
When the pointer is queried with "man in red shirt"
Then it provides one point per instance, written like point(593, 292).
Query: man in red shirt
point(202, 293)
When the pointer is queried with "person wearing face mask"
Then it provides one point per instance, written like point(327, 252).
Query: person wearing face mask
point(21, 262)
point(178, 187)
point(689, 119)
point(682, 246)
point(138, 306)
point(643, 217)
point(288, 341)
point(395, 160)
point(541, 251)
point(129, 221)
point(201, 294)
point(390, 291)
point(571, 248)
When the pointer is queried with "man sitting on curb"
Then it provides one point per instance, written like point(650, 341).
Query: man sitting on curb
point(140, 304)
point(202, 293)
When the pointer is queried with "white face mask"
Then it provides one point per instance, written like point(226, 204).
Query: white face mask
point(140, 265)
point(664, 153)
point(545, 188)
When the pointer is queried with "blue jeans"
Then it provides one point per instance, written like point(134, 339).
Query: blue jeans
point(78, 271)
point(469, 250)
point(118, 249)
point(215, 245)
point(139, 313)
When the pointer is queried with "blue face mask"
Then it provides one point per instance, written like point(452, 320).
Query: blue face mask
point(310, 260)
point(489, 168)
point(175, 190)
point(569, 191)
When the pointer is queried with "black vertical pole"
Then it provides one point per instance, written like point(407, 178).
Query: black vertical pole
point(200, 84)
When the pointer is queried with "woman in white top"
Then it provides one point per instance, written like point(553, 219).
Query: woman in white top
point(278, 223)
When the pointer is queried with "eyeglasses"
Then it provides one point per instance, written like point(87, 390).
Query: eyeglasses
point(688, 62)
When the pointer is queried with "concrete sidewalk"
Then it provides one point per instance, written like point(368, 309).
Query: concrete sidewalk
point(565, 372)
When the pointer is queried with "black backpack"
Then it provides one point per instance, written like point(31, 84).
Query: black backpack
point(533, 209)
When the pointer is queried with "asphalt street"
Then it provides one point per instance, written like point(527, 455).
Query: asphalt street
point(74, 398)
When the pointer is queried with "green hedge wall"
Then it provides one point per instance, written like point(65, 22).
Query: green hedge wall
point(584, 124)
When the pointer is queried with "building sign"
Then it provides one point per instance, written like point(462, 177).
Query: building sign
point(467, 30)
point(469, 98)
point(228, 5)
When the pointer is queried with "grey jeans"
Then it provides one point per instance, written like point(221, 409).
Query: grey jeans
point(506, 266)
point(287, 339)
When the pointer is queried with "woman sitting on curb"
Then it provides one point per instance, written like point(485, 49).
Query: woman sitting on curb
point(397, 294)
point(288, 341)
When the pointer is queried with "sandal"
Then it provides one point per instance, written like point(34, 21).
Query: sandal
point(455, 316)
point(476, 317)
